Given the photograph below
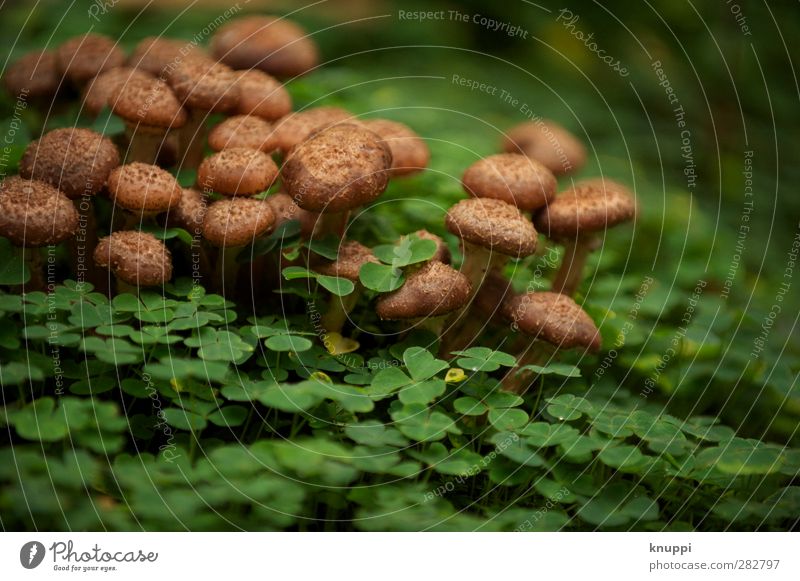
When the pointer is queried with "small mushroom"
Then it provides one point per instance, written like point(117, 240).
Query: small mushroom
point(296, 127)
point(137, 259)
point(335, 170)
point(286, 209)
point(202, 86)
point(230, 225)
point(553, 318)
point(576, 217)
point(34, 76)
point(274, 45)
point(143, 191)
point(82, 58)
point(491, 231)
point(237, 172)
point(351, 257)
point(158, 55)
point(150, 111)
point(549, 143)
point(34, 214)
point(410, 153)
point(98, 92)
point(247, 131)
point(427, 297)
point(513, 178)
point(189, 212)
point(262, 95)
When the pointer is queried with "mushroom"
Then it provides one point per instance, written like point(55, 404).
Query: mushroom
point(286, 209)
point(553, 318)
point(576, 217)
point(82, 58)
point(410, 153)
point(296, 127)
point(262, 95)
point(513, 178)
point(150, 110)
point(230, 225)
point(98, 92)
point(274, 45)
point(34, 214)
point(491, 231)
point(202, 86)
point(143, 191)
point(549, 143)
point(335, 170)
point(189, 213)
point(34, 76)
point(137, 259)
point(237, 172)
point(351, 257)
point(247, 131)
point(158, 55)
point(427, 297)
point(77, 162)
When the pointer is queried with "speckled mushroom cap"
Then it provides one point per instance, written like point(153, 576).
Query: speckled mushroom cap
point(262, 95)
point(137, 258)
point(141, 187)
point(274, 45)
point(34, 213)
point(513, 178)
point(589, 206)
point(549, 143)
point(35, 75)
point(296, 127)
point(189, 212)
point(84, 57)
point(442, 251)
point(339, 168)
point(285, 209)
point(237, 222)
point(237, 171)
point(247, 131)
point(147, 102)
point(156, 55)
point(433, 290)
point(76, 161)
point(492, 224)
point(200, 83)
point(554, 317)
point(352, 256)
point(410, 153)
point(98, 92)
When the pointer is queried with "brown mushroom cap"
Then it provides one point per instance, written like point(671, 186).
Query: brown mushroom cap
point(589, 206)
point(554, 317)
point(262, 95)
point(143, 188)
point(274, 45)
point(295, 128)
point(98, 92)
point(339, 168)
point(237, 222)
point(285, 209)
point(549, 143)
point(205, 85)
point(137, 258)
point(147, 102)
point(189, 212)
point(492, 224)
point(157, 55)
point(76, 161)
point(495, 291)
point(34, 213)
point(35, 75)
point(237, 171)
point(352, 256)
point(84, 57)
point(247, 131)
point(410, 153)
point(513, 178)
point(442, 250)
point(433, 290)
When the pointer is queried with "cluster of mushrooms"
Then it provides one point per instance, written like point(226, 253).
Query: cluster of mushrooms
point(178, 101)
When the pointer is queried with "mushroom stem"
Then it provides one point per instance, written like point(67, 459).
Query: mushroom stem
point(144, 145)
point(33, 260)
point(477, 263)
point(227, 269)
point(570, 273)
point(517, 380)
point(82, 245)
point(330, 223)
point(192, 140)
point(339, 309)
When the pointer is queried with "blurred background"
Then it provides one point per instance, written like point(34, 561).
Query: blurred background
point(692, 104)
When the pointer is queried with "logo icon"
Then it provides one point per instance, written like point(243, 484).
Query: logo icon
point(31, 554)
